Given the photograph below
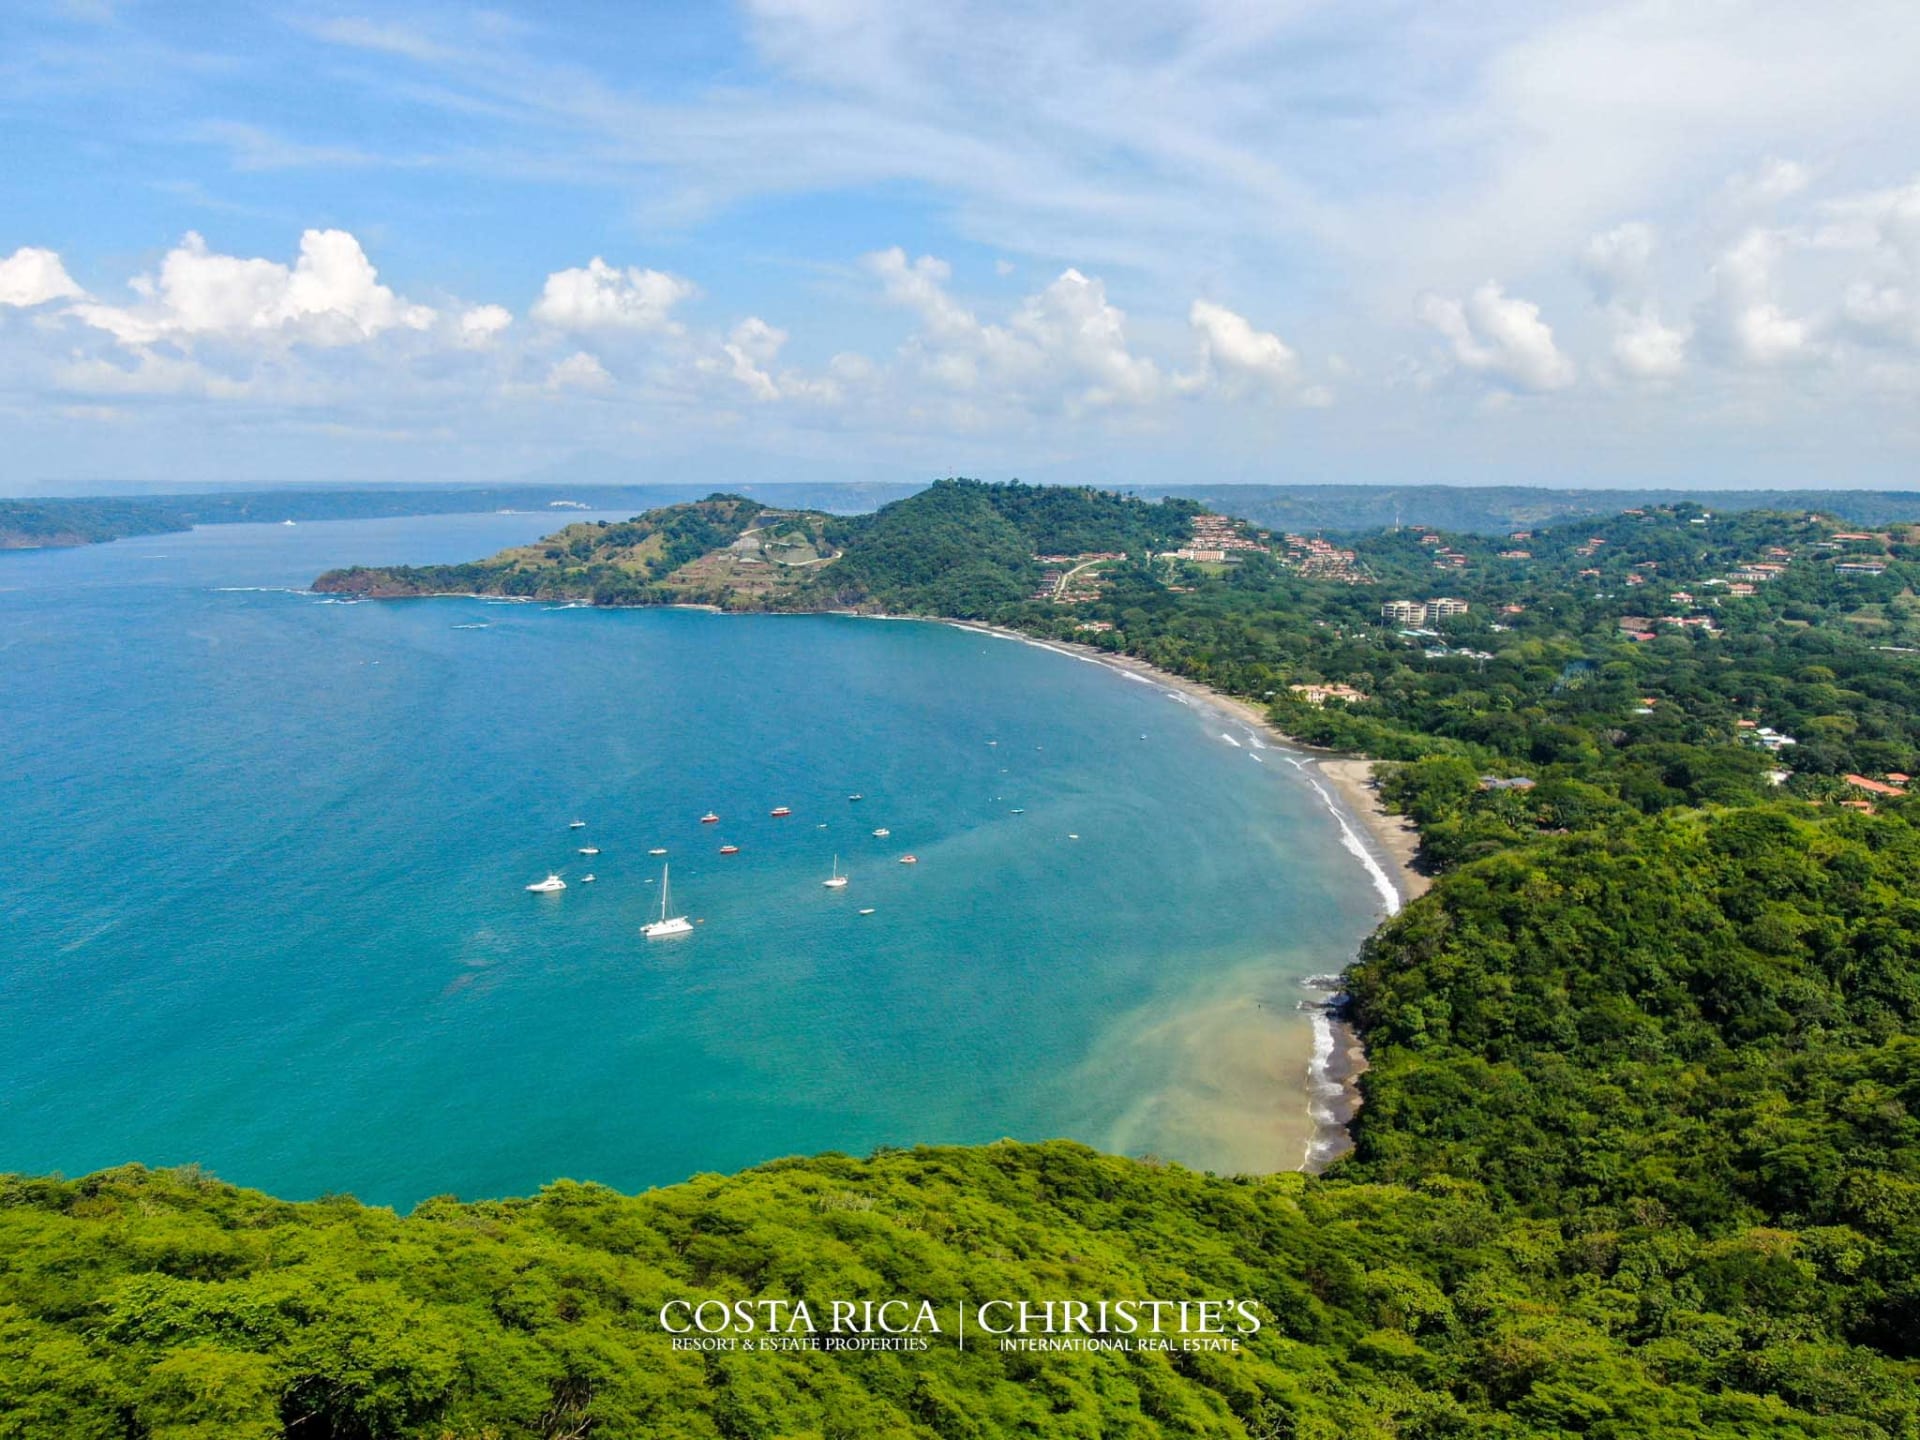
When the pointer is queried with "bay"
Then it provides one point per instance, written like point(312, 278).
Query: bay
point(264, 857)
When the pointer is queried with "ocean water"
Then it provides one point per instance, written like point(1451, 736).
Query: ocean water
point(262, 859)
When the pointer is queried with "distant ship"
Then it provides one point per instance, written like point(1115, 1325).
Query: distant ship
point(729, 849)
point(709, 818)
point(667, 924)
point(589, 849)
point(882, 833)
point(856, 797)
point(867, 911)
point(547, 886)
point(780, 810)
point(586, 879)
point(576, 825)
point(837, 880)
point(658, 850)
point(909, 859)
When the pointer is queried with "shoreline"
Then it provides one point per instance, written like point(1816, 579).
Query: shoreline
point(1385, 842)
point(1354, 796)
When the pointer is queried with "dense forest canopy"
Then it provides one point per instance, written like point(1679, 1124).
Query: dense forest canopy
point(1640, 1153)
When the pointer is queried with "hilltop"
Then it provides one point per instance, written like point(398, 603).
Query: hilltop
point(1640, 1148)
point(957, 548)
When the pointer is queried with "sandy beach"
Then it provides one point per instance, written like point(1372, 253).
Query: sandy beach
point(1395, 841)
point(1390, 843)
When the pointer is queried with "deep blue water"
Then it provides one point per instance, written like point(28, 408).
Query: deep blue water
point(263, 859)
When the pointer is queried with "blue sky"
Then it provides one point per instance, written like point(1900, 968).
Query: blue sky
point(1583, 243)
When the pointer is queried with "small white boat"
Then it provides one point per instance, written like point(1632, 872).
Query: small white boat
point(589, 849)
point(867, 911)
point(856, 797)
point(547, 886)
point(658, 850)
point(837, 881)
point(1015, 811)
point(286, 522)
point(882, 833)
point(576, 825)
point(1073, 837)
point(667, 924)
point(586, 879)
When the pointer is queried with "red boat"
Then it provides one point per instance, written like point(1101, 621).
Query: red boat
point(729, 849)
point(709, 818)
point(780, 810)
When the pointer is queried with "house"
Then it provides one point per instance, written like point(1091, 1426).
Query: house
point(1320, 693)
point(1872, 787)
point(1506, 782)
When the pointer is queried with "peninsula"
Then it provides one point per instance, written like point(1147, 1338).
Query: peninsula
point(1640, 1153)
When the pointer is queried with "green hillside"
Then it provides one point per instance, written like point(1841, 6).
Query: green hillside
point(957, 548)
point(164, 1304)
point(1640, 1154)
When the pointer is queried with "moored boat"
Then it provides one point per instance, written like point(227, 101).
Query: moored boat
point(548, 886)
point(667, 924)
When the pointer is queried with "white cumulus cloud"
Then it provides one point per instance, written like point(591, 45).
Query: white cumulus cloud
point(1647, 348)
point(603, 297)
point(1231, 348)
point(1618, 265)
point(483, 324)
point(32, 276)
point(579, 371)
point(1743, 317)
point(1065, 346)
point(1501, 336)
point(330, 296)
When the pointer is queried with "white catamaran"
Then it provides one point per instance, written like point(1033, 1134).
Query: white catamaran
point(667, 924)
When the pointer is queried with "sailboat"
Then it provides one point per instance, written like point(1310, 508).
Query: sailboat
point(666, 925)
point(838, 881)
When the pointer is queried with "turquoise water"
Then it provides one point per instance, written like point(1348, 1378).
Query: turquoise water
point(264, 857)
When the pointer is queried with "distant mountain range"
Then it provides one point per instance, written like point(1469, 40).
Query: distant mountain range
point(1484, 510)
point(1497, 509)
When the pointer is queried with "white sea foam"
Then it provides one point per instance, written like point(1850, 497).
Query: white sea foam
point(1389, 893)
point(1230, 740)
point(1322, 1089)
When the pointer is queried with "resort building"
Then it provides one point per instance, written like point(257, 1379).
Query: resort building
point(1319, 693)
point(1420, 612)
